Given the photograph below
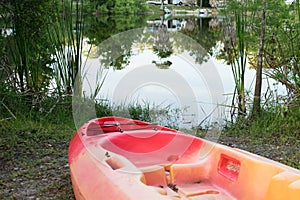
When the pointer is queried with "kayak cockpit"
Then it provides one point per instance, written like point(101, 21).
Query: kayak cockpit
point(174, 175)
point(168, 161)
point(146, 148)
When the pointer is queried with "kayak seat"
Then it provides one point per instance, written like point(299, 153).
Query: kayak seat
point(280, 182)
point(154, 175)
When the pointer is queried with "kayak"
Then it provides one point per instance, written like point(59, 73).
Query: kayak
point(119, 158)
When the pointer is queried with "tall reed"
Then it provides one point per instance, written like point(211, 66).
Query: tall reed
point(27, 46)
point(238, 67)
point(236, 48)
point(66, 34)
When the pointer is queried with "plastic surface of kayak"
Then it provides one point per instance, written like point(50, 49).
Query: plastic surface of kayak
point(119, 158)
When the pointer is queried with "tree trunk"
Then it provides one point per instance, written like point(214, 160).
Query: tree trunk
point(257, 92)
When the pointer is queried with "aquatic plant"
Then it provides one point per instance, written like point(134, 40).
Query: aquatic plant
point(66, 34)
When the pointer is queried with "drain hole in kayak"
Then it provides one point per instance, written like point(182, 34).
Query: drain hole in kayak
point(114, 163)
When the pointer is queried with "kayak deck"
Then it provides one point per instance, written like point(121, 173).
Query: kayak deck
point(161, 163)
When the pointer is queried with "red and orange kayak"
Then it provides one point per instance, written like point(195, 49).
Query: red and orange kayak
point(118, 158)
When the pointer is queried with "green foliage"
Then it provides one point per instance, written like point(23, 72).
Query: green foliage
point(120, 6)
point(139, 112)
point(27, 54)
point(162, 115)
point(275, 121)
point(66, 35)
point(281, 52)
point(103, 108)
point(12, 102)
point(16, 105)
point(268, 124)
point(30, 52)
point(236, 47)
point(103, 27)
point(283, 46)
point(57, 110)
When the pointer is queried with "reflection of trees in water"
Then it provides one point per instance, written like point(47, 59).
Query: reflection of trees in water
point(230, 33)
point(189, 25)
point(163, 47)
point(203, 35)
point(228, 53)
point(163, 35)
point(214, 24)
point(117, 51)
point(214, 3)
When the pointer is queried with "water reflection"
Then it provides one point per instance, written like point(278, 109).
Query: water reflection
point(163, 47)
point(167, 61)
point(207, 31)
point(171, 24)
point(197, 28)
point(159, 66)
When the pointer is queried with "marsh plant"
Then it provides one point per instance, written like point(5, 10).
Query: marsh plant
point(26, 52)
point(66, 34)
point(165, 115)
point(236, 51)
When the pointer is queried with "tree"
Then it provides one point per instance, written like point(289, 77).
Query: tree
point(277, 52)
point(282, 51)
point(258, 83)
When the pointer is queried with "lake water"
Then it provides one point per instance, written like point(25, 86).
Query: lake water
point(167, 63)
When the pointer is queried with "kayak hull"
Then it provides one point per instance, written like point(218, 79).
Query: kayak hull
point(119, 158)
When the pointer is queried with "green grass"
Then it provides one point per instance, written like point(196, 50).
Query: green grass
point(272, 123)
point(274, 134)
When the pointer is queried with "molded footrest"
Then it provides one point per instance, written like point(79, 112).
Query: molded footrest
point(202, 190)
point(154, 175)
point(187, 173)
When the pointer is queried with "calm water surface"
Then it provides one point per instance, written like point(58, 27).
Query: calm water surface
point(175, 62)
